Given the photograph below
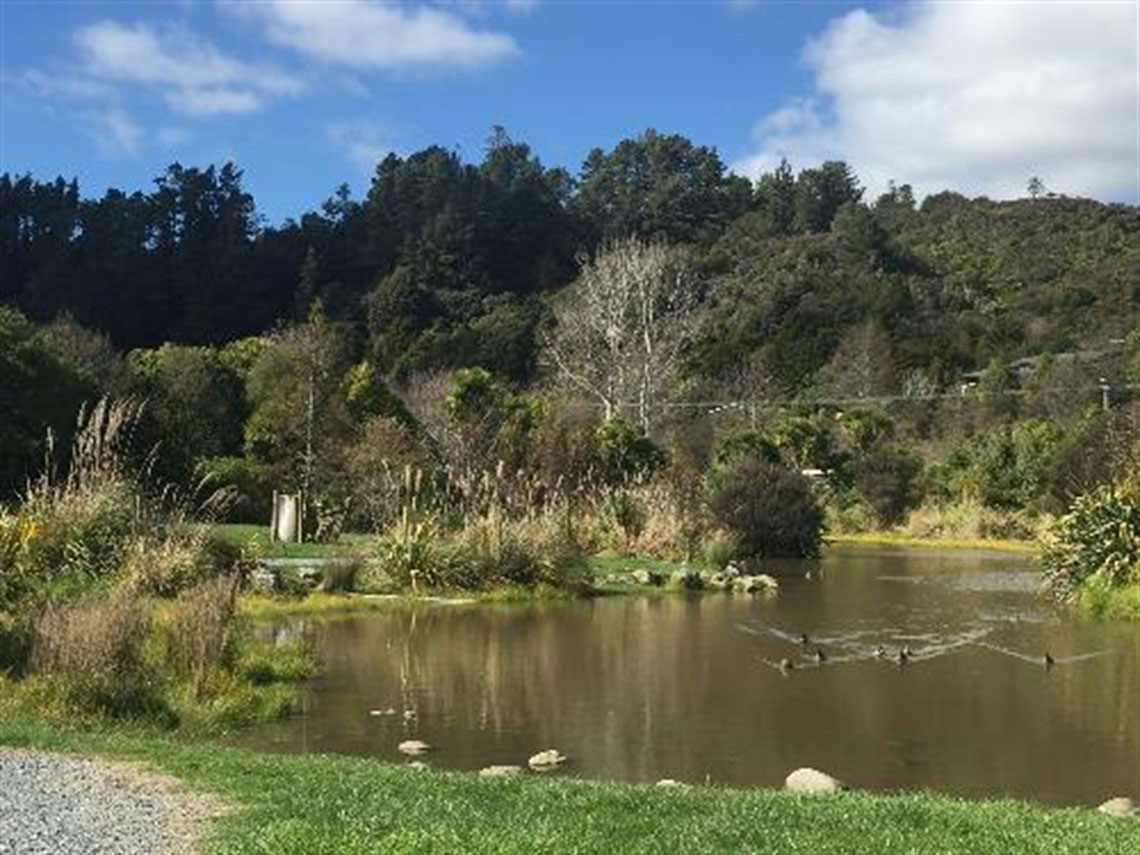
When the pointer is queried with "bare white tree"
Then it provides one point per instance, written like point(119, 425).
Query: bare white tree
point(623, 327)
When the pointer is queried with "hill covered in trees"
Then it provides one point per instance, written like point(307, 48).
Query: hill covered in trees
point(651, 313)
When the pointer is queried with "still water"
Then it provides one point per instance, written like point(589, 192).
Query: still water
point(689, 687)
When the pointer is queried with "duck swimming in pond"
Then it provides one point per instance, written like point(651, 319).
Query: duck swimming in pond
point(1048, 660)
point(880, 652)
point(786, 665)
point(820, 656)
point(804, 640)
point(903, 655)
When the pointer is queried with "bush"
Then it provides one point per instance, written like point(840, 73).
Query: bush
point(342, 576)
point(770, 511)
point(888, 479)
point(90, 655)
point(199, 633)
point(250, 481)
point(1098, 539)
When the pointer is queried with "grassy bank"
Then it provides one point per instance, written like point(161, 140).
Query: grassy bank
point(1110, 603)
point(890, 538)
point(304, 804)
point(254, 540)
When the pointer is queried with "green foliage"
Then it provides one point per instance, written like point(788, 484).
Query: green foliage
point(195, 406)
point(888, 480)
point(1099, 538)
point(38, 393)
point(1008, 467)
point(742, 444)
point(624, 453)
point(769, 510)
point(249, 482)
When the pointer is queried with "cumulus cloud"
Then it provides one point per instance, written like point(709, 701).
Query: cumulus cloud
point(975, 97)
point(193, 76)
point(366, 34)
point(362, 143)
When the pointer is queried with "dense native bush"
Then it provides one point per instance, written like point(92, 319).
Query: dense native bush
point(1099, 538)
point(888, 480)
point(769, 510)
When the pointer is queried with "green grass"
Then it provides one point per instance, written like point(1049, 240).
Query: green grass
point(889, 538)
point(255, 539)
point(602, 565)
point(1111, 603)
point(313, 803)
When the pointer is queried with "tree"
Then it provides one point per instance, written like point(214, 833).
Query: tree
point(776, 197)
point(623, 327)
point(299, 410)
point(769, 510)
point(821, 192)
point(658, 187)
point(195, 406)
point(861, 366)
point(1035, 187)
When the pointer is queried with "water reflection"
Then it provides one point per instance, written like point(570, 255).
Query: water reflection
point(691, 687)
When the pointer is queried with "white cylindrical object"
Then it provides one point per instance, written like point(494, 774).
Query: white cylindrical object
point(287, 517)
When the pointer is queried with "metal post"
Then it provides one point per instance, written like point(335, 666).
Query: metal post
point(1104, 390)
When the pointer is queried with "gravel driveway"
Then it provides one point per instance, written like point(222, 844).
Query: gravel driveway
point(59, 804)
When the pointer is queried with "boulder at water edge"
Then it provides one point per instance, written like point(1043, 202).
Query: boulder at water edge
point(688, 579)
point(543, 761)
point(1120, 806)
point(647, 577)
point(413, 747)
point(807, 780)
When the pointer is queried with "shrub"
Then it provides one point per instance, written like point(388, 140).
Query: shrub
point(1098, 539)
point(624, 515)
point(624, 453)
point(91, 654)
point(770, 511)
point(888, 480)
point(199, 631)
point(250, 481)
point(342, 576)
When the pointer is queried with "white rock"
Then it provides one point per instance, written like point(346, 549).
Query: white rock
point(548, 759)
point(670, 784)
point(807, 780)
point(500, 771)
point(414, 747)
point(1120, 806)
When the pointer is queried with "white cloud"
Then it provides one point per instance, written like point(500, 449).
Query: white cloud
point(362, 143)
point(114, 132)
point(63, 83)
point(208, 102)
point(193, 75)
point(974, 97)
point(367, 34)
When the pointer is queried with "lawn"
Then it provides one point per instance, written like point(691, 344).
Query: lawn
point(255, 539)
point(330, 804)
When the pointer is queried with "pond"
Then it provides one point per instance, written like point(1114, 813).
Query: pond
point(639, 688)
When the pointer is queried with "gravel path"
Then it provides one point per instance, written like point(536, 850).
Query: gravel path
point(58, 804)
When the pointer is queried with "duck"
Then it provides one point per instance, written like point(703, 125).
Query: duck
point(903, 655)
point(1048, 660)
point(787, 665)
point(820, 656)
point(804, 640)
point(880, 652)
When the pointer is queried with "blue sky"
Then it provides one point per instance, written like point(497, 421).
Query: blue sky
point(303, 95)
